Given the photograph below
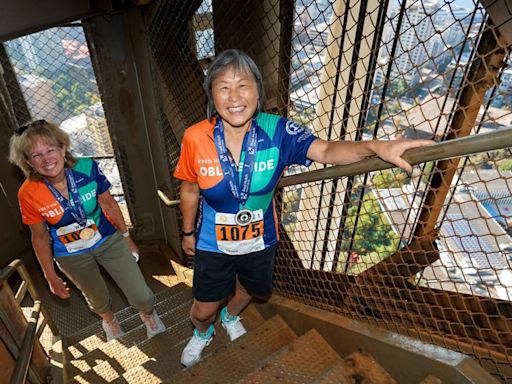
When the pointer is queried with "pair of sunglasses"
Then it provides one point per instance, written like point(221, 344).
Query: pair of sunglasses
point(19, 131)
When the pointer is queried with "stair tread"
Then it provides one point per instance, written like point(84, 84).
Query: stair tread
point(336, 375)
point(169, 343)
point(431, 379)
point(241, 357)
point(86, 353)
point(111, 359)
point(302, 361)
point(167, 368)
point(133, 323)
point(123, 315)
point(359, 366)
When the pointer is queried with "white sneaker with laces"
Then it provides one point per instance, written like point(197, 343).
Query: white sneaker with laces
point(153, 323)
point(192, 352)
point(112, 329)
point(233, 326)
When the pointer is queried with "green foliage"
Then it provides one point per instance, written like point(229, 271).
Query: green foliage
point(374, 234)
point(427, 171)
point(304, 117)
point(398, 88)
point(390, 179)
point(71, 96)
point(505, 165)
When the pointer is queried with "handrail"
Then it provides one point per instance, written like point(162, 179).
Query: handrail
point(20, 372)
point(24, 354)
point(166, 200)
point(17, 265)
point(439, 151)
point(464, 146)
point(7, 271)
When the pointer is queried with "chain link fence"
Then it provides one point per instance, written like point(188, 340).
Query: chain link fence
point(53, 79)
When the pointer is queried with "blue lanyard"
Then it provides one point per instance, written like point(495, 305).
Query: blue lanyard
point(239, 189)
point(74, 206)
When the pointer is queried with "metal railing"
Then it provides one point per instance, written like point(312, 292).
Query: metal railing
point(33, 331)
point(460, 147)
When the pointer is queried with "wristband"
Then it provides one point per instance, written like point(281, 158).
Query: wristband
point(126, 234)
point(188, 233)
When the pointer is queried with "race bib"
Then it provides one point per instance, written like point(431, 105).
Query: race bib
point(240, 233)
point(76, 237)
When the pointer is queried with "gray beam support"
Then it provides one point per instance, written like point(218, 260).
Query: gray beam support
point(120, 58)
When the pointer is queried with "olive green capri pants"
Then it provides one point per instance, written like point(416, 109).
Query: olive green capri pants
point(116, 258)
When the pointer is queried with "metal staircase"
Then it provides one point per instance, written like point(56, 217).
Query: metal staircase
point(270, 352)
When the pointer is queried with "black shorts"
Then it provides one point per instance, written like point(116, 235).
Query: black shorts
point(215, 274)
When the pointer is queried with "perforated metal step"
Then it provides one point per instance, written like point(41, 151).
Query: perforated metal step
point(229, 365)
point(163, 366)
point(112, 359)
point(93, 350)
point(127, 317)
point(302, 361)
point(358, 367)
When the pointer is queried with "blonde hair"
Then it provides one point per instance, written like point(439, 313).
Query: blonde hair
point(26, 137)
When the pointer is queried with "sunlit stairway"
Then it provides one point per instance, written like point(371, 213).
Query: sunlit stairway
point(270, 352)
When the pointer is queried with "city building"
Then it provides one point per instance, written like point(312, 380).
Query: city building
point(39, 96)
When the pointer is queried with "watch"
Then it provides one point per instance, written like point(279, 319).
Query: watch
point(188, 233)
point(126, 234)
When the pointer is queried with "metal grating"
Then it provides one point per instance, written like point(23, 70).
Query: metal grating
point(54, 80)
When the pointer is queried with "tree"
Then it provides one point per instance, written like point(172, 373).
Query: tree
point(373, 233)
point(398, 88)
point(390, 179)
point(71, 96)
point(427, 171)
point(505, 165)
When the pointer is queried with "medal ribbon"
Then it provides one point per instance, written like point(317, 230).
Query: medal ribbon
point(74, 206)
point(239, 189)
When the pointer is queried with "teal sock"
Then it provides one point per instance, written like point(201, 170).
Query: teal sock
point(225, 316)
point(207, 334)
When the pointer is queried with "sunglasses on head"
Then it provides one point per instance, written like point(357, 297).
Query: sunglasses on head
point(19, 131)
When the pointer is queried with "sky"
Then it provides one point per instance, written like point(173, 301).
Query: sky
point(464, 3)
point(455, 3)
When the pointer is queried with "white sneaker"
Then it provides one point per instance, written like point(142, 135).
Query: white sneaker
point(233, 326)
point(112, 329)
point(153, 323)
point(192, 352)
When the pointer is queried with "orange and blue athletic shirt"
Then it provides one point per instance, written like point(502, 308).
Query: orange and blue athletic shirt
point(224, 225)
point(38, 204)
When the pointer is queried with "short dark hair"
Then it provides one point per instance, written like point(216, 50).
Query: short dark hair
point(238, 61)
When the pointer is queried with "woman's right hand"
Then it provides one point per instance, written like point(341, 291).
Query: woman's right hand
point(58, 287)
point(188, 243)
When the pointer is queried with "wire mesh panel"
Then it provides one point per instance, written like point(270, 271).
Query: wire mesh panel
point(426, 254)
point(55, 81)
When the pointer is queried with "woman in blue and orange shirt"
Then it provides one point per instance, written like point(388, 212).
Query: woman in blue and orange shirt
point(230, 165)
point(75, 221)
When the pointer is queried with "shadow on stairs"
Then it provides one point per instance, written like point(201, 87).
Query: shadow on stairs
point(271, 352)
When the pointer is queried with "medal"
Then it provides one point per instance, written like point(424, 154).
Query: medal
point(239, 185)
point(74, 205)
point(86, 233)
point(243, 217)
